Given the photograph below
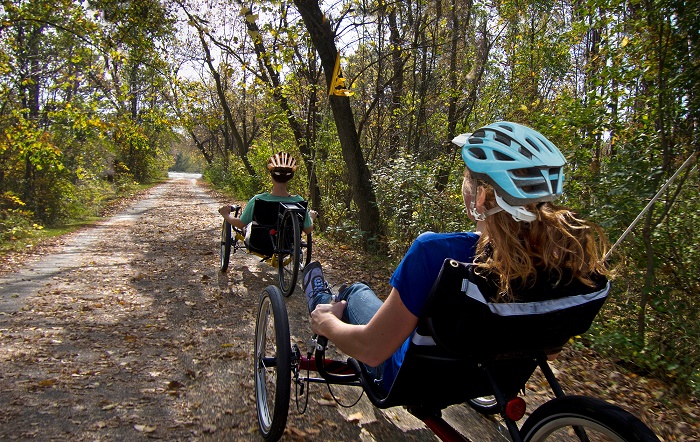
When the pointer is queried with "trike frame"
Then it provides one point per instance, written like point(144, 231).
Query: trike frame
point(278, 365)
point(289, 254)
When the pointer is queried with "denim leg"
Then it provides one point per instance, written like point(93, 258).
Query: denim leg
point(320, 298)
point(362, 306)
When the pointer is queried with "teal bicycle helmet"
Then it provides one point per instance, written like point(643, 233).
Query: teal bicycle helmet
point(520, 163)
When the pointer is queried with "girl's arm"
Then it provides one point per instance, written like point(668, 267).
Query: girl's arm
point(372, 343)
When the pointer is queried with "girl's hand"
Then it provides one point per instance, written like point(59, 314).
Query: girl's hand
point(225, 210)
point(324, 315)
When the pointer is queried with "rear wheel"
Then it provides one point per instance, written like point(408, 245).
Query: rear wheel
point(289, 253)
point(577, 418)
point(485, 405)
point(272, 364)
point(226, 242)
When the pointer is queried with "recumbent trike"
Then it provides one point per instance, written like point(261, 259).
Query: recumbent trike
point(465, 349)
point(275, 236)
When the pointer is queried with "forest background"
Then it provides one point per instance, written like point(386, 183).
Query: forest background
point(97, 97)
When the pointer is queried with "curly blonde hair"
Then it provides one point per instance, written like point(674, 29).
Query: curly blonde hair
point(558, 241)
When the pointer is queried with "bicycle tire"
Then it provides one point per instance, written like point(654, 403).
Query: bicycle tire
point(288, 252)
point(226, 241)
point(562, 418)
point(305, 252)
point(272, 364)
point(486, 405)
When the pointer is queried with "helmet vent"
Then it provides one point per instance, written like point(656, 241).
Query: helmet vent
point(526, 153)
point(500, 156)
point(525, 173)
point(501, 139)
point(554, 177)
point(534, 146)
point(546, 145)
point(477, 153)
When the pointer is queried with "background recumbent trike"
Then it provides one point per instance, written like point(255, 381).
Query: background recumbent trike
point(465, 349)
point(276, 236)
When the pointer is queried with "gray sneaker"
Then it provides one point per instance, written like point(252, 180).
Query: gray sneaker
point(313, 282)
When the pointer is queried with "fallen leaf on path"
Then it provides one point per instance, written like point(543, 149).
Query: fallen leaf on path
point(144, 428)
point(355, 417)
point(326, 403)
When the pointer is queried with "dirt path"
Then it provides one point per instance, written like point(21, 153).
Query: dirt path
point(131, 333)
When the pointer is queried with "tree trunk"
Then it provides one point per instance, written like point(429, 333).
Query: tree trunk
point(228, 115)
point(323, 38)
point(304, 139)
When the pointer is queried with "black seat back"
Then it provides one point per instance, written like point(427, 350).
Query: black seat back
point(460, 333)
point(266, 218)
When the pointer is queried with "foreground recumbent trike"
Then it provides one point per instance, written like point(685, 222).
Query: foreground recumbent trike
point(464, 350)
point(275, 236)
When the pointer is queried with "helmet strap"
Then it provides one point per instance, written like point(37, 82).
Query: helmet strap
point(472, 203)
point(519, 213)
point(479, 216)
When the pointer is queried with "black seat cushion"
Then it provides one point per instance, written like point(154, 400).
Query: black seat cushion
point(266, 218)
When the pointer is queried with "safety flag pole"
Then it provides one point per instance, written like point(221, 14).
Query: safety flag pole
point(653, 200)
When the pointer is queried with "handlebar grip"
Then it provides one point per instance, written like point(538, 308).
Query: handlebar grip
point(322, 342)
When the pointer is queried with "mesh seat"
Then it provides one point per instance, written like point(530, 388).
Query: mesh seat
point(266, 218)
point(465, 344)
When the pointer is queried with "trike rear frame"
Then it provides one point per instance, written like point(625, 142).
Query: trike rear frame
point(277, 228)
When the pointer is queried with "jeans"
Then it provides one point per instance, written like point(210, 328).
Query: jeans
point(362, 305)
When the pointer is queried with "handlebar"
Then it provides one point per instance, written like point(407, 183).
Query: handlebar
point(321, 345)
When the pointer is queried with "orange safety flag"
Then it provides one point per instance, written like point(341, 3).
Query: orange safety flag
point(338, 82)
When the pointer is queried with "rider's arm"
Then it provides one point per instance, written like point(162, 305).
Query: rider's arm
point(312, 214)
point(372, 343)
point(225, 211)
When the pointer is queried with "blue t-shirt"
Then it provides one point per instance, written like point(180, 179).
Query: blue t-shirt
point(416, 274)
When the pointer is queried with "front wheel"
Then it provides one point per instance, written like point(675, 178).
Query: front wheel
point(288, 252)
point(305, 252)
point(272, 364)
point(578, 418)
point(226, 242)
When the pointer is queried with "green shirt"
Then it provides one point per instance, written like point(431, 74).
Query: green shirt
point(247, 215)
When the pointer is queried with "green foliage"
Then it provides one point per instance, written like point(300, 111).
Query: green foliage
point(187, 162)
point(233, 178)
point(15, 221)
point(411, 205)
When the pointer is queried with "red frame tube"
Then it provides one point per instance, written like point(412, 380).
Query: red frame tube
point(443, 430)
point(331, 365)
